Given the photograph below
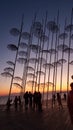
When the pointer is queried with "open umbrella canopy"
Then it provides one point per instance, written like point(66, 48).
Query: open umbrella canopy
point(49, 84)
point(29, 68)
point(48, 65)
point(55, 29)
point(17, 85)
point(14, 32)
point(18, 78)
point(30, 75)
point(63, 36)
point(8, 69)
point(69, 27)
point(62, 61)
point(33, 60)
point(71, 63)
point(57, 64)
point(61, 47)
point(72, 36)
point(25, 35)
point(12, 47)
point(52, 51)
point(10, 63)
point(40, 72)
point(31, 82)
point(41, 85)
point(68, 50)
point(6, 74)
point(42, 60)
point(37, 29)
point(21, 60)
point(43, 37)
point(51, 25)
point(37, 25)
point(38, 32)
point(22, 53)
point(34, 47)
point(23, 45)
point(45, 51)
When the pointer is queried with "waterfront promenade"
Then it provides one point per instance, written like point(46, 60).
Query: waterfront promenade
point(48, 119)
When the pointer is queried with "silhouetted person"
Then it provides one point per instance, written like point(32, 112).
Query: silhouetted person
point(70, 102)
point(26, 96)
point(30, 99)
point(19, 100)
point(53, 100)
point(64, 96)
point(35, 100)
point(72, 76)
point(8, 104)
point(16, 103)
point(59, 100)
point(39, 101)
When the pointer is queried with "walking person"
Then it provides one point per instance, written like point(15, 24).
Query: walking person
point(59, 101)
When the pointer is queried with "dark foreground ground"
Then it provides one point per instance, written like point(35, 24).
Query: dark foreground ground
point(48, 119)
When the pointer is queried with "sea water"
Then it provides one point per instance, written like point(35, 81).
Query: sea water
point(3, 99)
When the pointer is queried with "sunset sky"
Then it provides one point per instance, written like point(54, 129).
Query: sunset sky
point(10, 16)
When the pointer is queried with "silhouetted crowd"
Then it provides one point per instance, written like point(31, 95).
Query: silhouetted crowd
point(57, 97)
point(34, 101)
point(31, 101)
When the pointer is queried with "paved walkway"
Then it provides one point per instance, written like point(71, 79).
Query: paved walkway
point(48, 119)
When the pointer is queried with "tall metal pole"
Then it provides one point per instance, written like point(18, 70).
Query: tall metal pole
point(49, 69)
point(62, 61)
point(42, 50)
point(55, 57)
point(69, 51)
point(16, 56)
point(46, 63)
point(28, 55)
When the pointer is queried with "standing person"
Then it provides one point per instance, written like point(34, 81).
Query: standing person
point(16, 102)
point(8, 104)
point(59, 100)
point(19, 102)
point(70, 102)
point(53, 100)
point(39, 101)
point(64, 96)
point(30, 99)
point(26, 96)
point(35, 100)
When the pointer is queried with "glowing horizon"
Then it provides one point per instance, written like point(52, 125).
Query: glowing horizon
point(11, 18)
point(29, 88)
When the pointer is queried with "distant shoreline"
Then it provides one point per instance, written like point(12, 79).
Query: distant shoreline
point(41, 93)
